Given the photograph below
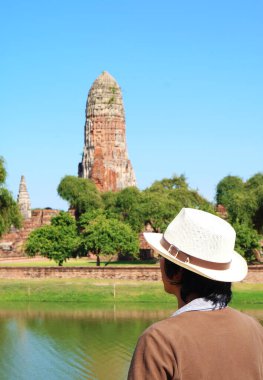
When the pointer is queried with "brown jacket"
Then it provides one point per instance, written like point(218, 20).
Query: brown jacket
point(200, 345)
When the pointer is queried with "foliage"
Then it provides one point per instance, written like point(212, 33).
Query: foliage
point(158, 210)
point(87, 217)
point(171, 183)
point(254, 187)
point(109, 237)
point(63, 219)
point(58, 241)
point(255, 181)
point(228, 186)
point(244, 204)
point(156, 205)
point(240, 204)
point(81, 194)
point(165, 198)
point(243, 200)
point(241, 208)
point(9, 211)
point(2, 171)
point(127, 208)
point(246, 241)
point(109, 200)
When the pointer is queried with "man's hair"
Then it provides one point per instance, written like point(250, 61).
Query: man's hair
point(191, 283)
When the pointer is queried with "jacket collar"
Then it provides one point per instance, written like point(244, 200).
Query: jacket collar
point(198, 304)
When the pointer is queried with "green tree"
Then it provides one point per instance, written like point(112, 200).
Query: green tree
point(243, 200)
point(158, 204)
point(172, 183)
point(58, 241)
point(9, 211)
point(125, 206)
point(226, 189)
point(254, 188)
point(165, 198)
point(128, 207)
point(239, 202)
point(158, 209)
point(247, 240)
point(2, 171)
point(109, 199)
point(244, 204)
point(88, 217)
point(81, 194)
point(255, 181)
point(108, 237)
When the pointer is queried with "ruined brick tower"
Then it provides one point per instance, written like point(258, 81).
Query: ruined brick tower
point(105, 158)
point(23, 199)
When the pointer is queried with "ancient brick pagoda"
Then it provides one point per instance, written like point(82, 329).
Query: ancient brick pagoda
point(23, 199)
point(105, 158)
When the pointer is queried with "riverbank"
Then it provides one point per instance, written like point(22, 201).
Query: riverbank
point(96, 291)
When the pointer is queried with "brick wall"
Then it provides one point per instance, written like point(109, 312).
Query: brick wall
point(118, 273)
point(255, 274)
point(11, 243)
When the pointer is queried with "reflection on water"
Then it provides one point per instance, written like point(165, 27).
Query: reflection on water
point(70, 342)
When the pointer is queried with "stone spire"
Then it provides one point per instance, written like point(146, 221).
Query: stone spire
point(23, 199)
point(105, 158)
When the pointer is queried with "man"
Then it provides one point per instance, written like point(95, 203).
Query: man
point(204, 339)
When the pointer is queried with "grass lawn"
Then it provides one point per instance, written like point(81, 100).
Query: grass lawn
point(246, 296)
point(81, 262)
point(104, 291)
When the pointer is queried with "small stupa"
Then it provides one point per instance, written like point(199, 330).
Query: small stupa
point(23, 199)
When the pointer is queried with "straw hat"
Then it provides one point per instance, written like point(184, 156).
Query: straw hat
point(202, 243)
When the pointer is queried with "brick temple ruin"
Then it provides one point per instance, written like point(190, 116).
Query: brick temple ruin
point(105, 161)
point(11, 243)
point(105, 157)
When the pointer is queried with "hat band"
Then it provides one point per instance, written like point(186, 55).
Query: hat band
point(188, 259)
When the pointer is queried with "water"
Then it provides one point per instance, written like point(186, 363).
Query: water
point(69, 342)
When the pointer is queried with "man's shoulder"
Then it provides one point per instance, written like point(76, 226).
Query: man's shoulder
point(161, 326)
point(187, 322)
point(243, 316)
point(166, 328)
point(163, 333)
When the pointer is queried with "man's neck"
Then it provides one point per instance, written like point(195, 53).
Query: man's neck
point(190, 298)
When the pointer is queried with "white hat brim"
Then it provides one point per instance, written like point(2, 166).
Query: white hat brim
point(236, 272)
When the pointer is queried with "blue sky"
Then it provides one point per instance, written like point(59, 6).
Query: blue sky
point(190, 72)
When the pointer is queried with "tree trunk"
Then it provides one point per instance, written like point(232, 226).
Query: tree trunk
point(107, 263)
point(98, 261)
